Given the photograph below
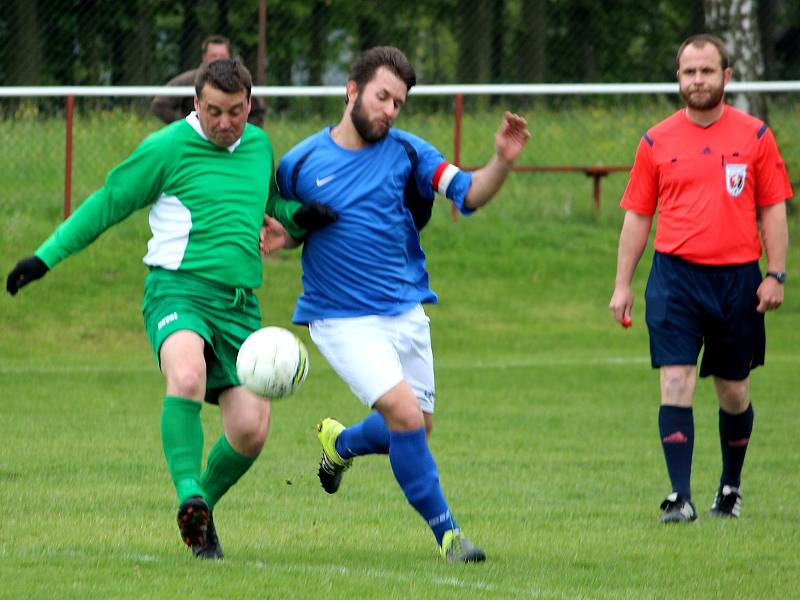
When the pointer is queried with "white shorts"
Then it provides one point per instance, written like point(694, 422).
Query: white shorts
point(373, 354)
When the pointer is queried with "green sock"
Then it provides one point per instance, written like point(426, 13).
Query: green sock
point(224, 467)
point(182, 439)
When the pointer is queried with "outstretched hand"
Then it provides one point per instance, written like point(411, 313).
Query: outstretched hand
point(26, 270)
point(511, 138)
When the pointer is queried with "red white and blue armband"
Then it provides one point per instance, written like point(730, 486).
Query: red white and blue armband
point(453, 183)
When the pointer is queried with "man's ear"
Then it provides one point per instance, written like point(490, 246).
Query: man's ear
point(197, 103)
point(351, 91)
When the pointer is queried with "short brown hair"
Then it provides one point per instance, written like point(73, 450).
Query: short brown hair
point(228, 75)
point(215, 39)
point(700, 40)
point(364, 68)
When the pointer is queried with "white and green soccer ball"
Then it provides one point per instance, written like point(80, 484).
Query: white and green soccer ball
point(272, 362)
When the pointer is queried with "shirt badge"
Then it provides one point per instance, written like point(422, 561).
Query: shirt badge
point(735, 177)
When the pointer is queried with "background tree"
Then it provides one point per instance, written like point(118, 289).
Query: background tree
point(736, 22)
point(97, 42)
point(530, 41)
point(24, 60)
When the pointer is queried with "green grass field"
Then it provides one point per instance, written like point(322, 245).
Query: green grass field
point(546, 434)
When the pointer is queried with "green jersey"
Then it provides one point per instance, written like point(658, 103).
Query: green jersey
point(207, 204)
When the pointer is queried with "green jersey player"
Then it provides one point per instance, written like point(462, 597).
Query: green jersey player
point(209, 182)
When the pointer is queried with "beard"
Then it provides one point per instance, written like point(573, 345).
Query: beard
point(369, 132)
point(711, 98)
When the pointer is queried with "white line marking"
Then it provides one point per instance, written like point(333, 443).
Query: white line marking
point(457, 583)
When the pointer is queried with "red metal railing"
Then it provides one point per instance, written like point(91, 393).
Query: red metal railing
point(596, 172)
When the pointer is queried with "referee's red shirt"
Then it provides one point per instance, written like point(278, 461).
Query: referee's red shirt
point(706, 183)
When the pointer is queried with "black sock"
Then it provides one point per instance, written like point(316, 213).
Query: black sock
point(734, 436)
point(676, 425)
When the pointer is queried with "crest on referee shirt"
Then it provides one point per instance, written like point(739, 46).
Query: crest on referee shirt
point(735, 176)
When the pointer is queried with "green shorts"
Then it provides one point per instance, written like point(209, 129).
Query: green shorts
point(222, 316)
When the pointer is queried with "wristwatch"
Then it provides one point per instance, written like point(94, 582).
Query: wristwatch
point(779, 275)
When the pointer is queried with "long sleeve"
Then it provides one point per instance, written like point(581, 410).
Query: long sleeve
point(133, 184)
point(283, 210)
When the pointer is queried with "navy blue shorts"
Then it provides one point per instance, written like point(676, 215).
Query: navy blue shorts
point(690, 305)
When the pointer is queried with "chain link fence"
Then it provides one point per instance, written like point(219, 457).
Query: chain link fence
point(312, 42)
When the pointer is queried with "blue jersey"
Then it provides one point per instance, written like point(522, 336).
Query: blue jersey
point(369, 262)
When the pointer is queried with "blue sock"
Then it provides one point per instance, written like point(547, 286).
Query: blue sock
point(370, 436)
point(734, 436)
point(415, 471)
point(676, 425)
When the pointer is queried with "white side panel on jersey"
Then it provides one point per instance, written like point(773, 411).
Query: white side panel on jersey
point(170, 222)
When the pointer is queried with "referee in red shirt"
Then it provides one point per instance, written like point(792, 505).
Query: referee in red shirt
point(713, 173)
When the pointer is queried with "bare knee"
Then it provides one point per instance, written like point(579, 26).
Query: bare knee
point(248, 441)
point(245, 419)
point(400, 409)
point(183, 365)
point(677, 384)
point(187, 382)
point(733, 395)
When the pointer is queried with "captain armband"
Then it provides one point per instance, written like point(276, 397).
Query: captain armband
point(443, 176)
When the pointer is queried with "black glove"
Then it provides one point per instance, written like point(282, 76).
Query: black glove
point(313, 216)
point(27, 270)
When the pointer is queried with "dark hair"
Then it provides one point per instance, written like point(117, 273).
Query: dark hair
point(700, 40)
point(364, 68)
point(228, 75)
point(215, 39)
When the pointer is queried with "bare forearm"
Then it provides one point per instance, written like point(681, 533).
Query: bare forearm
point(632, 242)
point(509, 141)
point(775, 235)
point(486, 181)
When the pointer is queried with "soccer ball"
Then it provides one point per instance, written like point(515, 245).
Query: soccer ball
point(272, 362)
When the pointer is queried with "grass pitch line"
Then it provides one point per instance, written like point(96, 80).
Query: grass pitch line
point(447, 582)
point(314, 569)
point(444, 363)
point(574, 361)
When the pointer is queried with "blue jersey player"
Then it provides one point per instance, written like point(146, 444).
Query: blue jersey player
point(364, 277)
